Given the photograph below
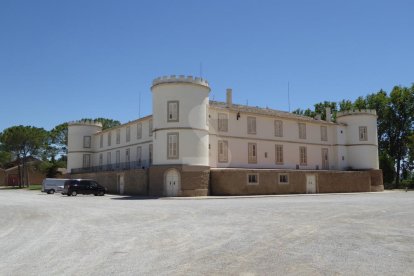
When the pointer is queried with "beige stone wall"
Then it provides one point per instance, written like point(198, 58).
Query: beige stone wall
point(377, 184)
point(234, 181)
point(135, 181)
point(194, 179)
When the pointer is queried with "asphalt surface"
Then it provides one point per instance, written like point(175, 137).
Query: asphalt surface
point(343, 234)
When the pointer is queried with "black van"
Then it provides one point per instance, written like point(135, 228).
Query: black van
point(83, 186)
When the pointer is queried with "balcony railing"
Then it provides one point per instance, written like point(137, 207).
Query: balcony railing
point(125, 166)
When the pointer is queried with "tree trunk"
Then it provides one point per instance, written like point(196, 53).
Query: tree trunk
point(397, 179)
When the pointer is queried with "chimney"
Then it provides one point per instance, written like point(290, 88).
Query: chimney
point(229, 96)
point(328, 114)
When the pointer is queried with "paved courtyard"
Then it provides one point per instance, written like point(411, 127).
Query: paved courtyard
point(349, 234)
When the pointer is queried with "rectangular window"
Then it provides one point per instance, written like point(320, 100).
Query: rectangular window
point(118, 158)
point(100, 160)
point(86, 141)
point(279, 154)
point(252, 150)
point(150, 127)
point(127, 157)
point(150, 154)
point(118, 136)
point(172, 111)
point(251, 125)
point(139, 156)
point(108, 158)
point(363, 134)
point(283, 178)
point(222, 151)
point(86, 160)
point(223, 121)
point(128, 134)
point(302, 131)
point(172, 145)
point(324, 133)
point(278, 128)
point(109, 138)
point(303, 156)
point(101, 141)
point(139, 131)
point(252, 179)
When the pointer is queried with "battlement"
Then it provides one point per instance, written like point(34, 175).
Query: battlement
point(357, 112)
point(180, 79)
point(85, 123)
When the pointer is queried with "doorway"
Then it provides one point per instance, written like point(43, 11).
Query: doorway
point(172, 185)
point(120, 183)
point(310, 184)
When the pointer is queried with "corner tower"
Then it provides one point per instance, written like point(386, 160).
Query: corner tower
point(81, 143)
point(361, 138)
point(180, 132)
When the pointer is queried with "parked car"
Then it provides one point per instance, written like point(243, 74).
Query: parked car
point(73, 187)
point(52, 185)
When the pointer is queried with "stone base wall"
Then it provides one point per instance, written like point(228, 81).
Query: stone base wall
point(234, 181)
point(194, 179)
point(135, 181)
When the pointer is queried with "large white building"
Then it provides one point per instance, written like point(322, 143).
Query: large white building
point(188, 132)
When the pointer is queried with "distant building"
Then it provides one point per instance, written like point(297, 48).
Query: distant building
point(194, 146)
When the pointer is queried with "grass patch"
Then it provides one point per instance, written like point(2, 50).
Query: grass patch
point(35, 187)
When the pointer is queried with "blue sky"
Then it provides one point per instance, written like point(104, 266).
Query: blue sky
point(67, 60)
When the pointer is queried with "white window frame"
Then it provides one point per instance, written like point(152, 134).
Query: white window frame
point(324, 133)
point(118, 158)
point(252, 179)
point(302, 130)
point(87, 141)
point(127, 156)
point(223, 122)
point(139, 155)
point(100, 160)
point(101, 141)
point(86, 161)
point(109, 138)
point(108, 158)
point(222, 150)
point(363, 133)
point(303, 156)
point(173, 146)
point(173, 111)
point(128, 134)
point(279, 154)
point(118, 136)
point(139, 131)
point(278, 128)
point(251, 125)
point(282, 177)
point(252, 153)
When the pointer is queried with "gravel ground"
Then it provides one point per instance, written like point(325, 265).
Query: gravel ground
point(343, 234)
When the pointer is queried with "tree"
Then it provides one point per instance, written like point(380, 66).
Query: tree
point(345, 105)
point(23, 141)
point(58, 141)
point(106, 123)
point(401, 124)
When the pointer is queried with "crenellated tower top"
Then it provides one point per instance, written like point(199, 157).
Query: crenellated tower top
point(372, 112)
point(180, 79)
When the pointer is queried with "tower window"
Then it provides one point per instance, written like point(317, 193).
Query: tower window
point(363, 135)
point(172, 111)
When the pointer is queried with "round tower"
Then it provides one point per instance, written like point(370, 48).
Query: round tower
point(81, 143)
point(180, 132)
point(361, 138)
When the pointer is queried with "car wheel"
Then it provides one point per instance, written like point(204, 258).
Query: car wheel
point(101, 193)
point(74, 193)
point(52, 192)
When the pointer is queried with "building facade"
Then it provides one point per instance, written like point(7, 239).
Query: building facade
point(189, 140)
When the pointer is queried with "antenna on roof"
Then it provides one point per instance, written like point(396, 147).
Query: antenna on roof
point(288, 97)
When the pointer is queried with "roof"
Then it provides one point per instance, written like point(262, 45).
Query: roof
point(265, 111)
